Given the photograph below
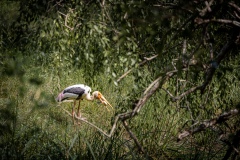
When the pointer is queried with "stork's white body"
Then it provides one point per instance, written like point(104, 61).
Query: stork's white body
point(74, 92)
point(79, 92)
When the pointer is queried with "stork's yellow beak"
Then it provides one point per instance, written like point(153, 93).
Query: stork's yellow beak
point(104, 101)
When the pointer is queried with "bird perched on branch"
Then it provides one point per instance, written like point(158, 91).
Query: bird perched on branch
point(79, 92)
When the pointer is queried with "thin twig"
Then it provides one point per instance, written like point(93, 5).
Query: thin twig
point(236, 15)
point(234, 6)
point(146, 59)
point(193, 89)
point(94, 126)
point(65, 20)
point(169, 93)
point(207, 8)
point(226, 21)
point(124, 75)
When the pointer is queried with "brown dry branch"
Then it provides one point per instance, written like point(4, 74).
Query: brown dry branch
point(140, 148)
point(226, 21)
point(234, 6)
point(191, 90)
point(236, 15)
point(140, 64)
point(151, 90)
point(207, 8)
point(208, 123)
point(168, 92)
point(94, 126)
point(124, 75)
point(214, 65)
point(66, 20)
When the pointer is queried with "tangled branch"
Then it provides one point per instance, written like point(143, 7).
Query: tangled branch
point(208, 123)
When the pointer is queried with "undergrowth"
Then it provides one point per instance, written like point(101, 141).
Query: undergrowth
point(34, 126)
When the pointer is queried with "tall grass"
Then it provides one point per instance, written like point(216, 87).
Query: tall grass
point(33, 126)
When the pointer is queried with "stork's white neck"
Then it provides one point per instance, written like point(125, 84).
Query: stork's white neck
point(89, 97)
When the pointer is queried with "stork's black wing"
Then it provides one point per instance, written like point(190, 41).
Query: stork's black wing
point(75, 90)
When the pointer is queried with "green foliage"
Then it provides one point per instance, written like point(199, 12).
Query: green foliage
point(48, 45)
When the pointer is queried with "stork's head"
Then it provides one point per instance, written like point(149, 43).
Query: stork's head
point(100, 97)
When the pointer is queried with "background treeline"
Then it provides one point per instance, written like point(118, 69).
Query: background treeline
point(169, 68)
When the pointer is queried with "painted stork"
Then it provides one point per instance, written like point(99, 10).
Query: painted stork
point(79, 92)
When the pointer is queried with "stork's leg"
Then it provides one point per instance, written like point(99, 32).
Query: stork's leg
point(73, 111)
point(78, 111)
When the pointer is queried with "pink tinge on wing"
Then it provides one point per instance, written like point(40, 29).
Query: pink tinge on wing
point(60, 97)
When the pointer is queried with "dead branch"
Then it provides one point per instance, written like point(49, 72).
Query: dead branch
point(226, 21)
point(140, 148)
point(124, 75)
point(151, 85)
point(214, 65)
point(234, 6)
point(66, 20)
point(236, 15)
point(140, 64)
point(193, 89)
point(207, 8)
point(169, 93)
point(208, 123)
point(151, 90)
point(94, 126)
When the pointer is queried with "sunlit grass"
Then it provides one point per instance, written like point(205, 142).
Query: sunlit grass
point(42, 126)
point(36, 127)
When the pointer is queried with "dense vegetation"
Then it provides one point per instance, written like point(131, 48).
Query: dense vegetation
point(169, 68)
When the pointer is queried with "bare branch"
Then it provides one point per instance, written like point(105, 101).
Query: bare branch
point(124, 75)
point(176, 98)
point(150, 58)
point(234, 6)
point(208, 123)
point(236, 15)
point(140, 64)
point(226, 21)
point(151, 85)
point(207, 8)
point(94, 126)
point(170, 94)
point(140, 148)
point(193, 89)
point(65, 20)
point(210, 72)
point(151, 90)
